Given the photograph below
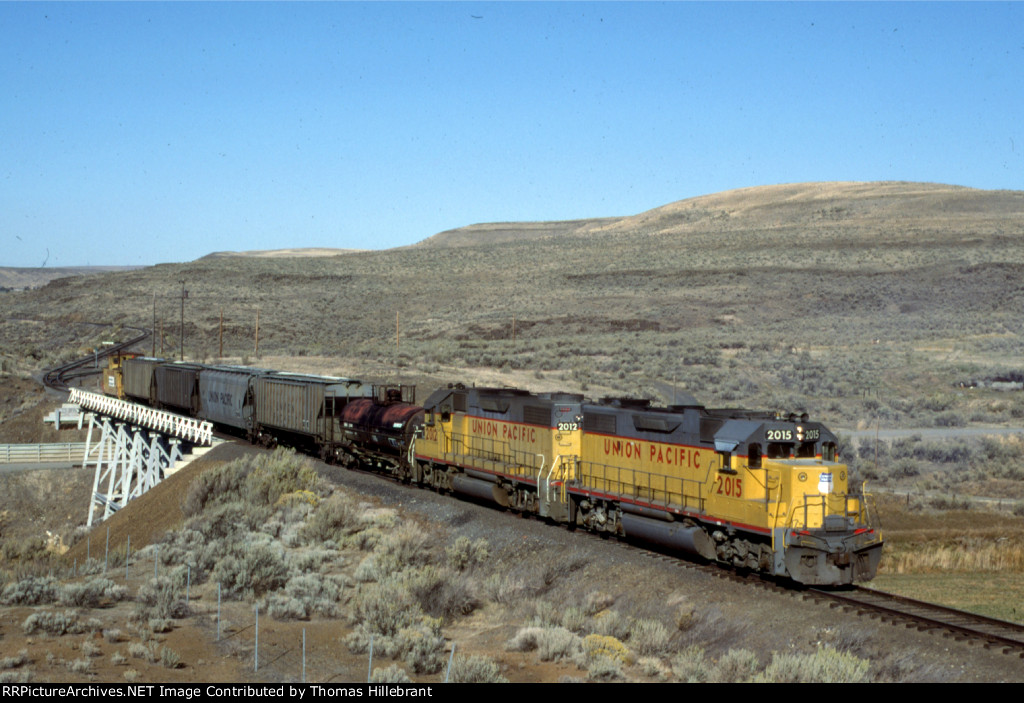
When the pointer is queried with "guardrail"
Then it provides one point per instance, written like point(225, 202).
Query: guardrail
point(42, 453)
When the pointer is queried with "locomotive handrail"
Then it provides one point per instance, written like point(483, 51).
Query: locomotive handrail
point(557, 461)
point(617, 479)
point(547, 479)
point(812, 503)
point(444, 440)
point(778, 504)
point(410, 456)
point(866, 505)
point(751, 471)
point(493, 450)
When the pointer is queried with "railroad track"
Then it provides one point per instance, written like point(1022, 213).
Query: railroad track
point(896, 610)
point(931, 617)
point(991, 633)
point(58, 378)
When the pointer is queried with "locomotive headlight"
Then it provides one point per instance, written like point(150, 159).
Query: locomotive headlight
point(799, 433)
point(801, 476)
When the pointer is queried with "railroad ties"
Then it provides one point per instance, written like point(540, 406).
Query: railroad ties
point(990, 632)
point(137, 447)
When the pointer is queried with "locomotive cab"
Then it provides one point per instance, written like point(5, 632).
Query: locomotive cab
point(112, 380)
point(821, 531)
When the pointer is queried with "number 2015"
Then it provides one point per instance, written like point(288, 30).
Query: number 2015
point(730, 486)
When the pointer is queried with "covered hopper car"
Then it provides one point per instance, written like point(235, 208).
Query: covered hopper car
point(268, 407)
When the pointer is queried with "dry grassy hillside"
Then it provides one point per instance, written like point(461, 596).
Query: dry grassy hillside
point(494, 232)
point(814, 204)
point(807, 205)
point(18, 278)
point(860, 302)
point(869, 305)
point(300, 252)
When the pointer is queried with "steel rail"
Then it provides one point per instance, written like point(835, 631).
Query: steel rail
point(931, 616)
point(57, 377)
point(990, 632)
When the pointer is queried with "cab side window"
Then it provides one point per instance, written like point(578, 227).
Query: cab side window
point(828, 451)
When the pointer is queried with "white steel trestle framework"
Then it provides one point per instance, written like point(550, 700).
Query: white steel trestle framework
point(136, 449)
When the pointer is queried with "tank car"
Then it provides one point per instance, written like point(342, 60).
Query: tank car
point(379, 431)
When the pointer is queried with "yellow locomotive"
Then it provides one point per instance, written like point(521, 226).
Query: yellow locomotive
point(753, 489)
point(511, 446)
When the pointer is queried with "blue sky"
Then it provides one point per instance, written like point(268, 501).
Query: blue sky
point(142, 133)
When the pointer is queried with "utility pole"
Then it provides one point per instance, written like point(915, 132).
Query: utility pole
point(221, 354)
point(184, 294)
point(257, 350)
point(154, 323)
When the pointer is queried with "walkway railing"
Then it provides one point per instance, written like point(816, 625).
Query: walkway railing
point(188, 428)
